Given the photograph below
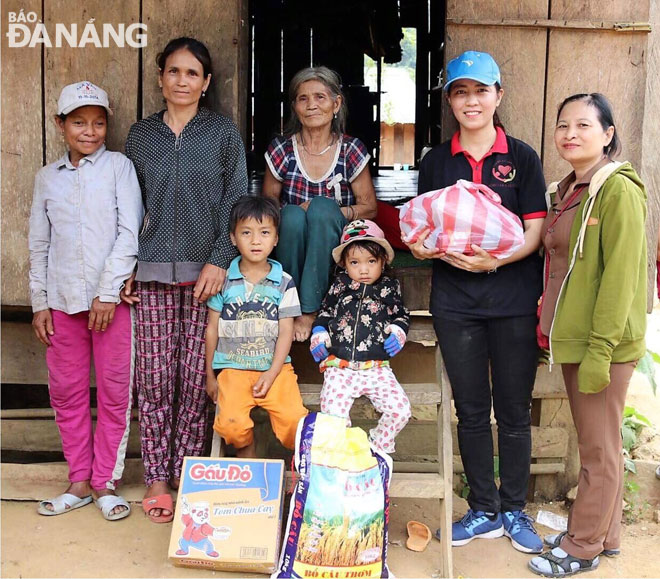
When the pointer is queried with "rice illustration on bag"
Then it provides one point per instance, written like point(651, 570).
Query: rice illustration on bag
point(339, 511)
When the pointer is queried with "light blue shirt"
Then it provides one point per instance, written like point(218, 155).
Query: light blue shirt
point(248, 327)
point(84, 229)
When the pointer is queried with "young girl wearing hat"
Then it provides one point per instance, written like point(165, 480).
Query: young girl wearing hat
point(484, 309)
point(86, 214)
point(363, 323)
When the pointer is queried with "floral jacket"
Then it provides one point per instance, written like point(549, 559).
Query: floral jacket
point(356, 315)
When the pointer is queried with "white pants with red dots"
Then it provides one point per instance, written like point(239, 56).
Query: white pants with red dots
point(341, 386)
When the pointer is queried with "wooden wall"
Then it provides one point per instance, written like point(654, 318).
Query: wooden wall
point(33, 77)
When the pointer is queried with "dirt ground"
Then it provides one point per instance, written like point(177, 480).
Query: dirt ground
point(81, 544)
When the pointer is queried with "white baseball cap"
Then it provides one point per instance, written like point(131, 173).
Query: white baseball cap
point(82, 94)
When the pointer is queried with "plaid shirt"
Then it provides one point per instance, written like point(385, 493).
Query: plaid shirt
point(351, 157)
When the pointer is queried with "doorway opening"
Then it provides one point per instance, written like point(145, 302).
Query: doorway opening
point(389, 54)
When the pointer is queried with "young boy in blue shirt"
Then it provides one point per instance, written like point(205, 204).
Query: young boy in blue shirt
point(250, 331)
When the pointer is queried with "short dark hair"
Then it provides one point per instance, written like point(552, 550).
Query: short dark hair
point(195, 47)
point(605, 117)
point(375, 249)
point(254, 207)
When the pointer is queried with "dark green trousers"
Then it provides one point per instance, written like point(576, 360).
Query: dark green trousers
point(307, 239)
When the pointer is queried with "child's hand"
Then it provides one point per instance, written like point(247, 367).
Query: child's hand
point(101, 315)
point(261, 388)
point(128, 293)
point(42, 324)
point(395, 340)
point(319, 343)
point(212, 388)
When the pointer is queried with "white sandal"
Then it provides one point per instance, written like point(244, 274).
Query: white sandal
point(108, 502)
point(65, 503)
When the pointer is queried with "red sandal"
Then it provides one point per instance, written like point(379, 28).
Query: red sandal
point(159, 502)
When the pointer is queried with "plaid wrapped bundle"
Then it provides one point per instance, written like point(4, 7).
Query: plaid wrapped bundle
point(458, 216)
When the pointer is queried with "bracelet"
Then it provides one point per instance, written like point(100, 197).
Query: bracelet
point(494, 270)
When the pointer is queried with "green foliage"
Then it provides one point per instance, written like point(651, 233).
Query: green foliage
point(646, 366)
point(408, 50)
point(634, 508)
point(631, 426)
point(465, 489)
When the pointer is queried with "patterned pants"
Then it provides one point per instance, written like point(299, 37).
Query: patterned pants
point(170, 351)
point(341, 386)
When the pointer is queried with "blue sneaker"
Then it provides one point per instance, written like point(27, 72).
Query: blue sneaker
point(475, 525)
point(518, 527)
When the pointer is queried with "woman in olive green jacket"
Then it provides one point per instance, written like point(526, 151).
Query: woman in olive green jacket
point(593, 319)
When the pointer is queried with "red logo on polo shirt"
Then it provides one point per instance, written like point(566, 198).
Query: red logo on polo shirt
point(504, 171)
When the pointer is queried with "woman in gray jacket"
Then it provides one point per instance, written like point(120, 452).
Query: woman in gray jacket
point(190, 163)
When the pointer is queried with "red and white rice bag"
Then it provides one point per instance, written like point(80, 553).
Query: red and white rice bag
point(458, 216)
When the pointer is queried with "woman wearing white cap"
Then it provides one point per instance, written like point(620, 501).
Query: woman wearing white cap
point(84, 224)
point(484, 309)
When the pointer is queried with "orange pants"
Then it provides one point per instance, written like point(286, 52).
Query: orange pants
point(235, 401)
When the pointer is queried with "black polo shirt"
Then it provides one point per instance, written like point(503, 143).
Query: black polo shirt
point(513, 170)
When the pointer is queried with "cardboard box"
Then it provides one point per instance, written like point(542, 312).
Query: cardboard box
point(228, 514)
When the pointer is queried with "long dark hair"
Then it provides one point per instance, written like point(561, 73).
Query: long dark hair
point(605, 117)
point(195, 47)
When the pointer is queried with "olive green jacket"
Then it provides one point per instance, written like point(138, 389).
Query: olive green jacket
point(600, 316)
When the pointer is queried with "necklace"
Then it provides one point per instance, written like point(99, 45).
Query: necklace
point(323, 152)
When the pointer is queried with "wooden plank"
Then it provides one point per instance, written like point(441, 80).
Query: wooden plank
point(637, 11)
point(561, 24)
point(415, 286)
point(421, 331)
point(47, 479)
point(115, 68)
point(650, 169)
point(22, 153)
point(446, 471)
point(24, 360)
point(546, 469)
point(520, 54)
point(557, 413)
point(417, 486)
point(386, 145)
point(44, 436)
point(549, 383)
point(23, 356)
point(43, 413)
point(623, 80)
point(223, 31)
point(547, 442)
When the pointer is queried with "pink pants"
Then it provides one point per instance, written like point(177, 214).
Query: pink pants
point(98, 458)
point(341, 386)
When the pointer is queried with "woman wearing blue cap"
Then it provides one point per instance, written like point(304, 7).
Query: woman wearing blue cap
point(484, 308)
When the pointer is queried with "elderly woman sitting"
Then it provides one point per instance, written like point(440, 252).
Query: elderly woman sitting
point(320, 176)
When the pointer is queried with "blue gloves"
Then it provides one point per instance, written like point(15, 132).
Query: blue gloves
point(320, 341)
point(318, 344)
point(395, 341)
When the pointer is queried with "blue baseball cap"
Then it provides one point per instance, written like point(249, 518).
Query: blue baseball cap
point(479, 66)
